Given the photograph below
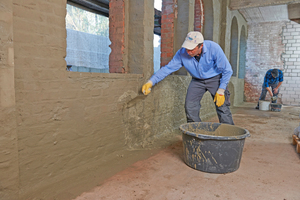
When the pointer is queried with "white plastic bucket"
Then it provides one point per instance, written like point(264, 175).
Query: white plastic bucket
point(264, 105)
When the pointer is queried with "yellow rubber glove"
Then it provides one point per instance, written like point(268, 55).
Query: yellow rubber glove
point(146, 89)
point(219, 97)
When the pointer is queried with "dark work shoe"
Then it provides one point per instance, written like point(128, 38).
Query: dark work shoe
point(257, 107)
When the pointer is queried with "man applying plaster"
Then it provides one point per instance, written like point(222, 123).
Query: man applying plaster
point(273, 79)
point(210, 71)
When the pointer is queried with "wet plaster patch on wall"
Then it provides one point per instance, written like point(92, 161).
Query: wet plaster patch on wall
point(152, 121)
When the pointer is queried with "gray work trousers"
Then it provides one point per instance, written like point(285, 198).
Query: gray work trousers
point(195, 92)
point(264, 92)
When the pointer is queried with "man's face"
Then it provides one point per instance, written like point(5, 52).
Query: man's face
point(196, 51)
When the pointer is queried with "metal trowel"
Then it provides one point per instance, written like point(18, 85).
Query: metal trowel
point(274, 98)
point(136, 99)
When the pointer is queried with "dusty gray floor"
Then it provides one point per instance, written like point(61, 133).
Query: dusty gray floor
point(269, 169)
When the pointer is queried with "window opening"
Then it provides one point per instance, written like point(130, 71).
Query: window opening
point(157, 35)
point(87, 37)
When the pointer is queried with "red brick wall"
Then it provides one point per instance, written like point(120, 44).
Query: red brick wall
point(199, 15)
point(167, 30)
point(117, 36)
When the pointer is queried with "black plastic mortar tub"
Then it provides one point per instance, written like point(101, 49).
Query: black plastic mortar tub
point(213, 147)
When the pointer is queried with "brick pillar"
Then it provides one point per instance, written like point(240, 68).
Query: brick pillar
point(117, 36)
point(223, 24)
point(199, 15)
point(167, 30)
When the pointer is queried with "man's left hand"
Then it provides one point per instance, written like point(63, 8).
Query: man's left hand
point(219, 97)
point(275, 90)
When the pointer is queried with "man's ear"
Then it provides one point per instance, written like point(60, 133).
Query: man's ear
point(201, 47)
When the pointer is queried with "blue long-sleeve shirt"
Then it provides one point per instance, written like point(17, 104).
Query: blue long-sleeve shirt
point(212, 63)
point(269, 79)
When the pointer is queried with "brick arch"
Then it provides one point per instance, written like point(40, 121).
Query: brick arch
point(204, 18)
point(199, 15)
point(234, 45)
point(167, 31)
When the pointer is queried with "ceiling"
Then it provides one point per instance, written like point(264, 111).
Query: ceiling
point(265, 14)
point(251, 14)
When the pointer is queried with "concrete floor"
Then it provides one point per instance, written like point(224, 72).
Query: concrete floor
point(269, 169)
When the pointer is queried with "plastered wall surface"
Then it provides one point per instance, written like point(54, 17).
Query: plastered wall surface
point(65, 132)
point(75, 128)
point(237, 83)
point(9, 175)
point(217, 20)
point(69, 124)
point(140, 38)
point(183, 22)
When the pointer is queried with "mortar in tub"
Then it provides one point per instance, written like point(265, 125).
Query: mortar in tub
point(213, 147)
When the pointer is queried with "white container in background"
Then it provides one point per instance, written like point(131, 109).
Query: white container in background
point(264, 105)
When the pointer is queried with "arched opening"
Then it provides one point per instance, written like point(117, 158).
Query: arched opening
point(234, 46)
point(208, 20)
point(242, 57)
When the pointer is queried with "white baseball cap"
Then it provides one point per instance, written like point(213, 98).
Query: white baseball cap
point(192, 39)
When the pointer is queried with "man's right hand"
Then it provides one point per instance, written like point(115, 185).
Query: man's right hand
point(146, 89)
point(271, 94)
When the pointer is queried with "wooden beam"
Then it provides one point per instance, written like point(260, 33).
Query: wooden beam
point(294, 11)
